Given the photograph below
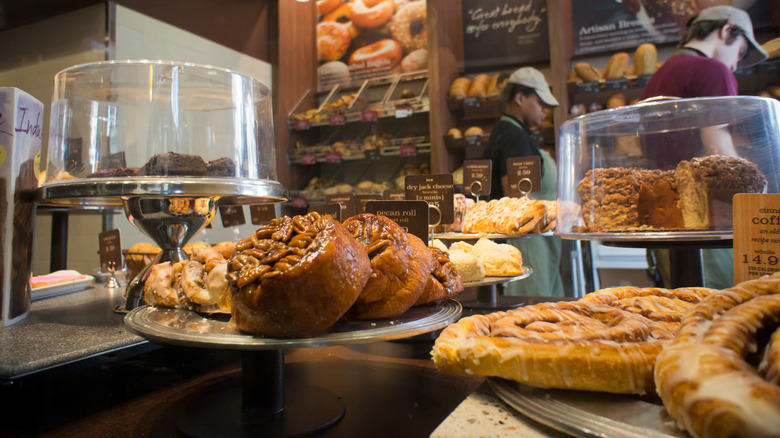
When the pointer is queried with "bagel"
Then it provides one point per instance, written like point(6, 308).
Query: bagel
point(409, 26)
point(343, 15)
point(333, 40)
point(326, 6)
point(369, 14)
point(382, 55)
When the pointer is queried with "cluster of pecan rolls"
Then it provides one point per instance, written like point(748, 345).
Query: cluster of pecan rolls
point(296, 277)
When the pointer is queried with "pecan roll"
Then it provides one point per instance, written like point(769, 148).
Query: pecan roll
point(445, 281)
point(400, 267)
point(296, 277)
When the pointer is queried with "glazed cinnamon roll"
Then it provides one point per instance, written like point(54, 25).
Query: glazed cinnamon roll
point(569, 345)
point(296, 277)
point(400, 267)
point(717, 378)
point(664, 306)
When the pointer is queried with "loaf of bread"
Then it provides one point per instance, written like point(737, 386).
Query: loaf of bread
point(645, 59)
point(455, 133)
point(616, 100)
point(587, 72)
point(459, 88)
point(479, 85)
point(616, 66)
point(473, 131)
point(496, 85)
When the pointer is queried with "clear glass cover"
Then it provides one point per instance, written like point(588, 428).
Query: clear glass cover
point(141, 119)
point(665, 168)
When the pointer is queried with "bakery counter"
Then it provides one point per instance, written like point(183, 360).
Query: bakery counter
point(65, 329)
point(388, 388)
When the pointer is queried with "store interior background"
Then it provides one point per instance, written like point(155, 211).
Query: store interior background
point(271, 41)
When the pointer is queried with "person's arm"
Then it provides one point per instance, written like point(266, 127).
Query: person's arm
point(717, 141)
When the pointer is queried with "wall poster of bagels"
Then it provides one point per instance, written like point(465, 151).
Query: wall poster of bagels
point(501, 33)
point(609, 25)
point(362, 39)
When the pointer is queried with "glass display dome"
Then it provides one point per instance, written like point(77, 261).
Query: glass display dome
point(147, 123)
point(665, 168)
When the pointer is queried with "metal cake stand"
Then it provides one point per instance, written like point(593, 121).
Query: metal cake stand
point(685, 258)
point(170, 210)
point(263, 404)
point(488, 295)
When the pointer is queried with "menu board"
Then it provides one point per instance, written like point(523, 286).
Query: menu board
point(499, 33)
point(361, 41)
point(608, 25)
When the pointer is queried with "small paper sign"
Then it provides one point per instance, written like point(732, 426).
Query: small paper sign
point(372, 154)
point(403, 111)
point(308, 159)
point(756, 235)
point(524, 175)
point(438, 191)
point(333, 157)
point(332, 209)
point(360, 201)
point(394, 195)
point(336, 119)
point(369, 116)
point(261, 214)
point(302, 125)
point(408, 150)
point(347, 203)
point(232, 215)
point(299, 202)
point(110, 249)
point(477, 177)
point(412, 216)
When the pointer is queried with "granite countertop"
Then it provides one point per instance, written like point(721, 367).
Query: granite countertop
point(64, 329)
point(483, 414)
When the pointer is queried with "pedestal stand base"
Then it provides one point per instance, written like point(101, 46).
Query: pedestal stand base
point(489, 297)
point(218, 413)
point(261, 405)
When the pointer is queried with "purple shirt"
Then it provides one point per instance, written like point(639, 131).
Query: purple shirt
point(688, 75)
point(684, 75)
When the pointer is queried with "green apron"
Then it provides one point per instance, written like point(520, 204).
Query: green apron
point(541, 253)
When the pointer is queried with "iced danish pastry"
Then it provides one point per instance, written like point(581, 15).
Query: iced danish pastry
point(445, 280)
point(401, 265)
point(569, 345)
point(712, 378)
point(296, 277)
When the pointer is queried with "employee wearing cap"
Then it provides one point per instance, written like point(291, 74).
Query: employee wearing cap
point(717, 41)
point(527, 97)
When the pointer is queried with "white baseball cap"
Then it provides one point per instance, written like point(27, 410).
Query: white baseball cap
point(531, 78)
point(740, 19)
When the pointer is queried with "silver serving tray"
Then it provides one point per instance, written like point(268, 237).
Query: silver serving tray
point(489, 281)
point(589, 414)
point(182, 327)
point(492, 236)
point(659, 236)
point(110, 191)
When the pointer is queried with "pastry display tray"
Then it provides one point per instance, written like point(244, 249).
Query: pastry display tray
point(659, 236)
point(492, 236)
point(110, 191)
point(187, 328)
point(490, 281)
point(589, 414)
